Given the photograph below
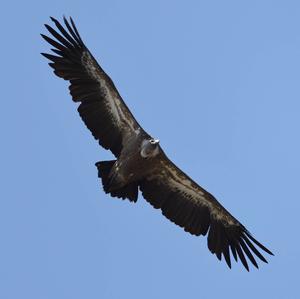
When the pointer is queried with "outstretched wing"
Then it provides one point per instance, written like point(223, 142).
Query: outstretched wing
point(101, 106)
point(198, 212)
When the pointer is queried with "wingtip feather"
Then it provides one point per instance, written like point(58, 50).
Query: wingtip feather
point(258, 243)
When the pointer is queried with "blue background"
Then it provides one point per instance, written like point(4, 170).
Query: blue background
point(217, 82)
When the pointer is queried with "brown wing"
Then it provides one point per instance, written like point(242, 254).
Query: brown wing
point(198, 212)
point(101, 107)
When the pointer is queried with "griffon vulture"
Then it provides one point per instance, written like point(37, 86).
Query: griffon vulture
point(140, 162)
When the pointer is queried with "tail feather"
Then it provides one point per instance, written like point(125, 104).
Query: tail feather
point(104, 168)
point(129, 191)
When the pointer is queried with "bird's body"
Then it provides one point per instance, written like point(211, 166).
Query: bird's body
point(133, 165)
point(141, 164)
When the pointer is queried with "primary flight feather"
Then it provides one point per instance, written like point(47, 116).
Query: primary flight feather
point(140, 162)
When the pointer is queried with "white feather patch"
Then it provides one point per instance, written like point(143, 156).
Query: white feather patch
point(178, 181)
point(114, 104)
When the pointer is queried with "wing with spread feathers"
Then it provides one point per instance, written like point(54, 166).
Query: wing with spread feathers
point(101, 106)
point(188, 205)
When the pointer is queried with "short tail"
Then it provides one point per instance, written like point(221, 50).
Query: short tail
point(129, 191)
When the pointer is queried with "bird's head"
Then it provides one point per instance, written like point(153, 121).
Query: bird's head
point(150, 148)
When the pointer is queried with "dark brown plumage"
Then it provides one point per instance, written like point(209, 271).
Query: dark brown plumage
point(140, 162)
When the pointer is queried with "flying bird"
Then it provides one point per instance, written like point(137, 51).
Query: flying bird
point(141, 164)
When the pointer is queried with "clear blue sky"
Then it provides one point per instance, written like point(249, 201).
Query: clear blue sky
point(218, 82)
